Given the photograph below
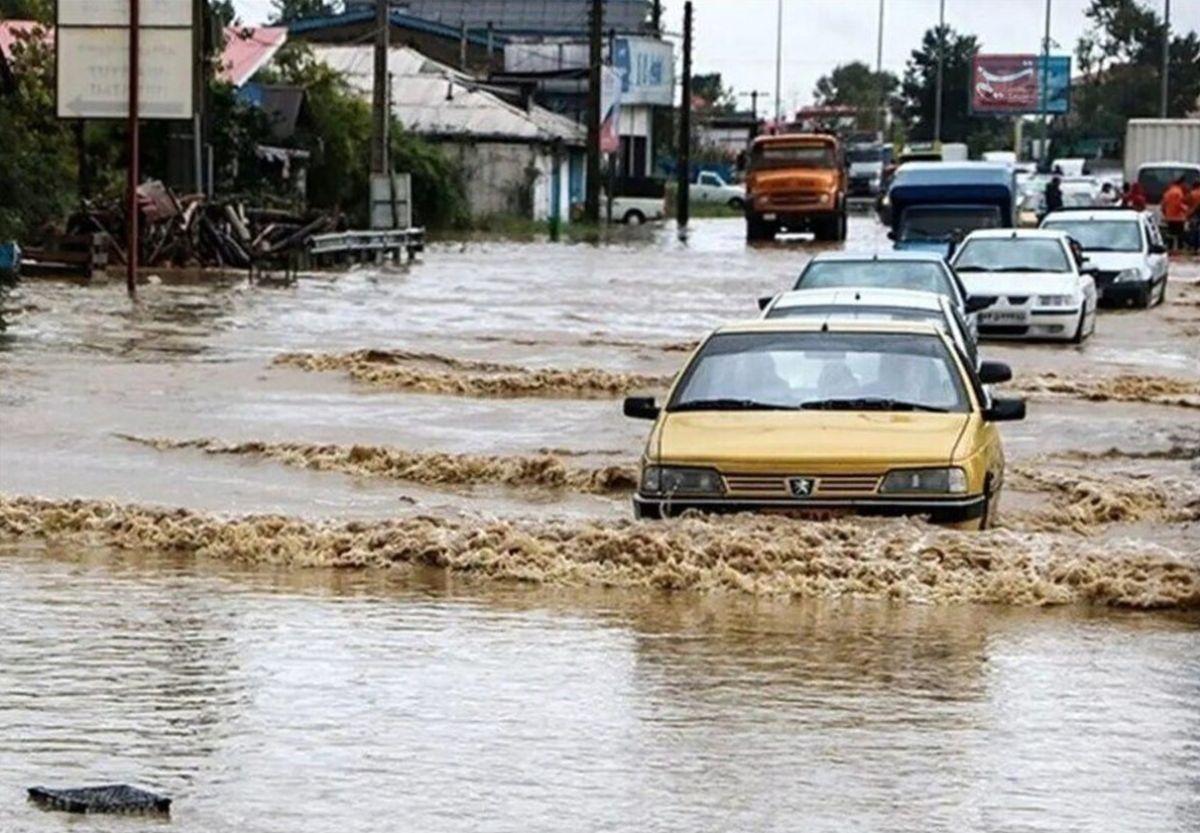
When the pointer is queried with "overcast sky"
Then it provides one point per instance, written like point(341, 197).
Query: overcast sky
point(737, 37)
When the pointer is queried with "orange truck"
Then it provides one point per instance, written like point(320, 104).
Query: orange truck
point(796, 182)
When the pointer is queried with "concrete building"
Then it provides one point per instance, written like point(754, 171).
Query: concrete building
point(518, 160)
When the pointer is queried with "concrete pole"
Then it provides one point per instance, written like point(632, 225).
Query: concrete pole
point(595, 47)
point(131, 259)
point(683, 208)
point(1166, 63)
point(379, 104)
point(1045, 151)
point(941, 64)
point(779, 65)
point(879, 76)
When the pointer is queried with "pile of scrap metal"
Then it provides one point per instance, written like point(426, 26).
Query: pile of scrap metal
point(192, 231)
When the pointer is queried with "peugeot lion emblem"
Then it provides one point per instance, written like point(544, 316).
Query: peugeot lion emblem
point(801, 486)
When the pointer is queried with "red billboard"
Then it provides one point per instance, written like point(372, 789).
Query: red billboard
point(1005, 84)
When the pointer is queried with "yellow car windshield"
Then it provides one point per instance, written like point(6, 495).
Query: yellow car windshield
point(821, 370)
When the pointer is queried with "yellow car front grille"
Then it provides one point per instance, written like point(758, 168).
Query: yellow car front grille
point(825, 485)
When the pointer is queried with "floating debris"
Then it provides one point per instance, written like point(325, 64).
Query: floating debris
point(111, 798)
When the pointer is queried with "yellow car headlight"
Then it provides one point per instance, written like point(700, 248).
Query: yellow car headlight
point(948, 481)
point(678, 480)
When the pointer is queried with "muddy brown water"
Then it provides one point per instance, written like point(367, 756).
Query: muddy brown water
point(269, 699)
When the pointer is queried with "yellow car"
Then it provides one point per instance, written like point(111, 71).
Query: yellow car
point(823, 419)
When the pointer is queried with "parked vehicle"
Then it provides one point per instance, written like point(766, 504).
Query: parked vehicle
point(1155, 140)
point(796, 182)
point(867, 161)
point(828, 418)
point(934, 205)
point(1070, 167)
point(1004, 157)
point(1034, 282)
point(1124, 250)
point(638, 200)
point(710, 187)
point(878, 304)
point(1155, 177)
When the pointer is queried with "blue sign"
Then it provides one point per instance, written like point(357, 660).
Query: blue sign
point(647, 69)
point(1054, 93)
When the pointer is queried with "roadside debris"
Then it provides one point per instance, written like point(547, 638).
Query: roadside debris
point(111, 798)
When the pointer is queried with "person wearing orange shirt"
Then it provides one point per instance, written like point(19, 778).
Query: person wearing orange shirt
point(1175, 211)
point(1194, 204)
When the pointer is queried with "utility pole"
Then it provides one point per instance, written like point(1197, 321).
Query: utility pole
point(941, 64)
point(656, 17)
point(1166, 65)
point(682, 203)
point(879, 75)
point(779, 65)
point(596, 37)
point(131, 259)
point(380, 124)
point(1045, 73)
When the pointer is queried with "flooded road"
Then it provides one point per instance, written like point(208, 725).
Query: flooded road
point(531, 659)
point(329, 701)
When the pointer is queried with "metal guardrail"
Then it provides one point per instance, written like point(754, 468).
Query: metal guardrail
point(411, 240)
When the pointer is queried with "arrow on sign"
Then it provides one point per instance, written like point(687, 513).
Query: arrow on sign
point(85, 107)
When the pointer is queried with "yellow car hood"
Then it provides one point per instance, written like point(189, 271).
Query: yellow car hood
point(784, 440)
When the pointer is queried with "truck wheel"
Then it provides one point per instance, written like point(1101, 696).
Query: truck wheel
point(825, 229)
point(757, 230)
point(736, 203)
point(840, 234)
point(634, 218)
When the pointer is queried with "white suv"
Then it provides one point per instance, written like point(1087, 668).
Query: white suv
point(1124, 249)
point(1033, 280)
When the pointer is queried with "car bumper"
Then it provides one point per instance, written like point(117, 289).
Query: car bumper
point(944, 510)
point(1125, 291)
point(1040, 324)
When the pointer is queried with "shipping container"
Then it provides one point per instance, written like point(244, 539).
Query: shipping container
point(1160, 140)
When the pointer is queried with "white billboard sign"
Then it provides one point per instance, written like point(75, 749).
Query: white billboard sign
point(647, 68)
point(116, 13)
point(93, 73)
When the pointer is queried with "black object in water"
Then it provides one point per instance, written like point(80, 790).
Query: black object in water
point(111, 798)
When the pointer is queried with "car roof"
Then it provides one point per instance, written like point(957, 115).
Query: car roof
point(1016, 234)
point(808, 325)
point(866, 257)
point(853, 296)
point(1094, 215)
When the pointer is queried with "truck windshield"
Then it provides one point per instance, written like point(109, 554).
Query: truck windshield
point(1101, 235)
point(1012, 254)
point(822, 371)
point(923, 276)
point(1155, 180)
point(943, 223)
point(766, 157)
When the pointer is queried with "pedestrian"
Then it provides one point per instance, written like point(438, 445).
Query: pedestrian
point(1194, 201)
point(1135, 196)
point(1108, 195)
point(1054, 198)
point(1175, 212)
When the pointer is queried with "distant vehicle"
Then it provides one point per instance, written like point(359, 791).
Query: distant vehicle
point(1159, 140)
point(1034, 282)
point(867, 163)
point(796, 182)
point(934, 205)
point(955, 152)
point(1070, 167)
point(1124, 249)
point(912, 270)
point(1004, 157)
point(710, 187)
point(880, 305)
point(1155, 177)
point(637, 201)
point(828, 418)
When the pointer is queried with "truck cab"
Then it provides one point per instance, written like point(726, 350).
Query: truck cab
point(933, 206)
point(796, 182)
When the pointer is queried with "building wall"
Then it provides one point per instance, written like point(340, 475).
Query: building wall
point(504, 178)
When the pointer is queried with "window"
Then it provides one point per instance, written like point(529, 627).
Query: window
point(850, 371)
point(923, 276)
point(1012, 254)
point(1155, 180)
point(944, 224)
point(1101, 235)
point(766, 157)
point(710, 179)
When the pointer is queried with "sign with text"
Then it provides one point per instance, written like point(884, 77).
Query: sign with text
point(92, 50)
point(1015, 84)
point(647, 68)
point(116, 13)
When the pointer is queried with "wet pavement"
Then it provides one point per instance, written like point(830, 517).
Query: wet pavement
point(269, 699)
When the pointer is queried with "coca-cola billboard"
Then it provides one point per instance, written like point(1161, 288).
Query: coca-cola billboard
point(1011, 84)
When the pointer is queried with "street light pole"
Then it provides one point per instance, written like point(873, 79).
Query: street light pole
point(1166, 63)
point(941, 63)
point(1045, 73)
point(879, 75)
point(779, 64)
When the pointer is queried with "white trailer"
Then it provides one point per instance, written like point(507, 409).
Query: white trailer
point(1160, 140)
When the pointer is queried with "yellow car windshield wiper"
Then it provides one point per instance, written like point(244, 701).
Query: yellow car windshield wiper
point(870, 403)
point(729, 405)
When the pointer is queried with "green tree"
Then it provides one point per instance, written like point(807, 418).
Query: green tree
point(1120, 62)
point(39, 10)
point(856, 85)
point(711, 89)
point(919, 93)
point(287, 10)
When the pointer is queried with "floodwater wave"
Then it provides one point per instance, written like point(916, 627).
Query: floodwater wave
point(1155, 390)
point(761, 556)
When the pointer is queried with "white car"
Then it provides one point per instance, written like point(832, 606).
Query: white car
point(1034, 282)
point(710, 187)
point(877, 305)
point(1125, 252)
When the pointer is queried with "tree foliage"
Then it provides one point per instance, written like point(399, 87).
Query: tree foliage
point(711, 89)
point(856, 85)
point(288, 10)
point(39, 10)
point(919, 93)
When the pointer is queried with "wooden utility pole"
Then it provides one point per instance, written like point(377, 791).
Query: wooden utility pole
point(131, 259)
point(941, 69)
point(379, 104)
point(596, 36)
point(1166, 64)
point(683, 202)
point(1044, 155)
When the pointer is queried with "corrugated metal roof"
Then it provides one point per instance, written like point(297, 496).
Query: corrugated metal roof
point(249, 50)
point(533, 17)
point(434, 100)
